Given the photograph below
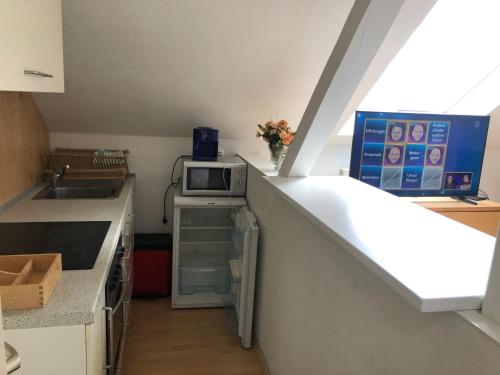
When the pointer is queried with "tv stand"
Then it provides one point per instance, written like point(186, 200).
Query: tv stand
point(466, 199)
point(484, 216)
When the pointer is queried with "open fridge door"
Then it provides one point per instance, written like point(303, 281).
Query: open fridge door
point(242, 265)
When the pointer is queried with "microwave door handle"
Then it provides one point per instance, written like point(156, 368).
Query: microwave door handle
point(227, 184)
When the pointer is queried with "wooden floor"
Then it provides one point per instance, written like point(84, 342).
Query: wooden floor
point(184, 342)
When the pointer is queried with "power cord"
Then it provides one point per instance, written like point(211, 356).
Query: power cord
point(483, 193)
point(173, 184)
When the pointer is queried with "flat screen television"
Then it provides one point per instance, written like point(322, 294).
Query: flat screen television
point(417, 154)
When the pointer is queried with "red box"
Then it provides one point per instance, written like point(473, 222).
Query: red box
point(152, 265)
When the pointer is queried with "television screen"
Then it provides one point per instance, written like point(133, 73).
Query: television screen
point(412, 154)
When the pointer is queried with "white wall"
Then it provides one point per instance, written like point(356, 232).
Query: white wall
point(151, 159)
point(490, 178)
point(319, 311)
point(332, 158)
point(156, 67)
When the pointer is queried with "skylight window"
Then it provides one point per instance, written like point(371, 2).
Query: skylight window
point(451, 64)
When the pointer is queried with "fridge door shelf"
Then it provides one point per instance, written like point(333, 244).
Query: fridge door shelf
point(235, 267)
point(202, 280)
point(235, 298)
point(238, 240)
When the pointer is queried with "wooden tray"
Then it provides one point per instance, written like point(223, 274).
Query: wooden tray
point(27, 281)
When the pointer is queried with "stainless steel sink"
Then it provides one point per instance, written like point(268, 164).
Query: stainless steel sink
point(83, 189)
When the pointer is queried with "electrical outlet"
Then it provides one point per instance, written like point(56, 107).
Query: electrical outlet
point(344, 172)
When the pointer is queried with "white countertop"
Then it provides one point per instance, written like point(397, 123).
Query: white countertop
point(437, 264)
point(74, 299)
point(260, 162)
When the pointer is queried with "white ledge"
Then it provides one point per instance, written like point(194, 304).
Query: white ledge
point(486, 325)
point(437, 264)
point(259, 162)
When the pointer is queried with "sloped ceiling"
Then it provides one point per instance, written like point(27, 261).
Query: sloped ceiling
point(160, 67)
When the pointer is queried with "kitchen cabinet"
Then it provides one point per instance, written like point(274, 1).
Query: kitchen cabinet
point(79, 349)
point(3, 359)
point(128, 261)
point(50, 350)
point(31, 46)
point(11, 361)
point(484, 216)
point(95, 335)
point(76, 350)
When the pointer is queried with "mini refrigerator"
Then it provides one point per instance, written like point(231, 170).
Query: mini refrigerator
point(215, 256)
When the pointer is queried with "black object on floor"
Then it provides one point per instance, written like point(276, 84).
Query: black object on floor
point(79, 242)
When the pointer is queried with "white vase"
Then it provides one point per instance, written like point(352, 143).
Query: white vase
point(278, 153)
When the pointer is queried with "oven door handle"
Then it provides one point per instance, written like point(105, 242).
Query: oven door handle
point(109, 343)
point(124, 288)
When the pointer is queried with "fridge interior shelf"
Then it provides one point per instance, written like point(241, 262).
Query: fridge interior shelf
point(206, 217)
point(205, 247)
point(202, 259)
point(205, 235)
point(207, 228)
point(202, 280)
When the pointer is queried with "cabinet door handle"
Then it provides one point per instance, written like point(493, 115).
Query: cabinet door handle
point(37, 73)
point(13, 359)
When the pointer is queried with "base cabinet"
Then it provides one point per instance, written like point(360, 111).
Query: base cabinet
point(75, 350)
point(95, 335)
point(50, 351)
point(484, 216)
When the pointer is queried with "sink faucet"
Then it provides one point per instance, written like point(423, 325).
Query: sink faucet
point(57, 176)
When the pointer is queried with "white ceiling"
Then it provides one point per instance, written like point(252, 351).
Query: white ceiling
point(160, 67)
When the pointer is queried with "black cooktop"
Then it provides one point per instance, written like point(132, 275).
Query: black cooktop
point(79, 242)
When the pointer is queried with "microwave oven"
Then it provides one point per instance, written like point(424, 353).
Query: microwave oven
point(225, 177)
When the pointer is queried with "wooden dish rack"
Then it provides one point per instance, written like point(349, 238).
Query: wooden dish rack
point(27, 281)
point(89, 163)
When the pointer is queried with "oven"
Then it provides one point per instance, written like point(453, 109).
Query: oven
point(115, 291)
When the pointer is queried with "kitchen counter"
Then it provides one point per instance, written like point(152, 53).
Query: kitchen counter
point(435, 263)
point(74, 299)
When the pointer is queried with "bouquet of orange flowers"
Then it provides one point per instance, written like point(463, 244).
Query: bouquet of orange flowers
point(277, 134)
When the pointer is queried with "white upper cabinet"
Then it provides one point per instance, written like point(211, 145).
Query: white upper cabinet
point(31, 46)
